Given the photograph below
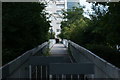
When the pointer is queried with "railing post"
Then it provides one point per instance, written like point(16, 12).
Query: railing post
point(30, 72)
point(36, 72)
point(41, 71)
point(71, 77)
point(50, 77)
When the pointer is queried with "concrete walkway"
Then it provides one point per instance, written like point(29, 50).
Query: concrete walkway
point(60, 50)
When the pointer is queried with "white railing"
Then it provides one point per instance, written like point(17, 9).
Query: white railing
point(51, 43)
point(65, 42)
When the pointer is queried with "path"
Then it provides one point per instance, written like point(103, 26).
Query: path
point(60, 50)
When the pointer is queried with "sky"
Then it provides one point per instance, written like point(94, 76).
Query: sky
point(83, 3)
point(87, 6)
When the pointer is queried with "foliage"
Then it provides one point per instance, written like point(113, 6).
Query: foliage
point(108, 24)
point(100, 34)
point(51, 35)
point(70, 22)
point(106, 52)
point(24, 27)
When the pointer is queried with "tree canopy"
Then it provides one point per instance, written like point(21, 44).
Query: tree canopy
point(25, 26)
point(100, 34)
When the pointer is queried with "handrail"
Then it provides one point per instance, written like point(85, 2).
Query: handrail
point(107, 69)
point(65, 42)
point(9, 68)
point(20, 65)
point(51, 43)
point(94, 55)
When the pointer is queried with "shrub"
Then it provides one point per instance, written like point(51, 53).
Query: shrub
point(109, 54)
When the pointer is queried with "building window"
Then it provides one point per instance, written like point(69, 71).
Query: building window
point(60, 0)
point(59, 11)
point(60, 5)
point(58, 30)
point(49, 6)
point(70, 5)
point(57, 23)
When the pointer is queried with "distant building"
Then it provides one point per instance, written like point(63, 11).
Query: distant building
point(72, 3)
point(54, 8)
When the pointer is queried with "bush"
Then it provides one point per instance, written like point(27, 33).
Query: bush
point(109, 54)
point(24, 27)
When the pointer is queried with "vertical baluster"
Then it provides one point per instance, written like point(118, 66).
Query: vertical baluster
point(71, 77)
point(92, 76)
point(46, 72)
point(78, 76)
point(62, 77)
point(50, 77)
point(41, 71)
point(30, 72)
point(36, 73)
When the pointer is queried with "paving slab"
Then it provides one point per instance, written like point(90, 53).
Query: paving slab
point(60, 50)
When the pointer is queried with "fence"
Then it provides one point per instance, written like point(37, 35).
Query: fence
point(103, 69)
point(32, 64)
point(51, 43)
point(18, 68)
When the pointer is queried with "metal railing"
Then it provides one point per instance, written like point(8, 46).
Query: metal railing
point(51, 43)
point(103, 69)
point(32, 64)
point(18, 68)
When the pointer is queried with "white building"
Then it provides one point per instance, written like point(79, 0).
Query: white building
point(54, 8)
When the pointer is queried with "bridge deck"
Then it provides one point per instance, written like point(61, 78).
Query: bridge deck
point(60, 50)
point(78, 64)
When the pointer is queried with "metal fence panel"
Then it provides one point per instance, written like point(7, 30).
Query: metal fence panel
point(72, 68)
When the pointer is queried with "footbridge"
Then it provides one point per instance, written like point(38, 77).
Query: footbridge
point(61, 61)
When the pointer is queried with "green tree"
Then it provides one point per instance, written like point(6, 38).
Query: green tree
point(24, 27)
point(74, 27)
point(105, 28)
point(98, 34)
point(108, 24)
